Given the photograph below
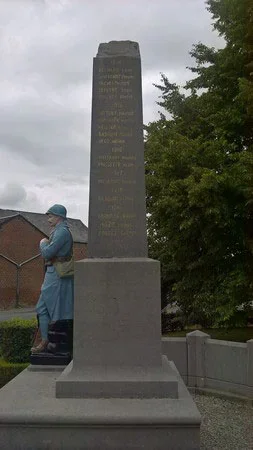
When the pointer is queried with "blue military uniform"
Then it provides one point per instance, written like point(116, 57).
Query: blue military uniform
point(57, 294)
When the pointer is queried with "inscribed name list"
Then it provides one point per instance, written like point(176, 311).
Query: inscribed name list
point(117, 224)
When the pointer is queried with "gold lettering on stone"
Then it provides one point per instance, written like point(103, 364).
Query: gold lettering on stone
point(107, 90)
point(109, 164)
point(126, 97)
point(117, 149)
point(104, 141)
point(128, 181)
point(109, 157)
point(115, 130)
point(107, 224)
point(129, 157)
point(115, 198)
point(107, 233)
point(118, 141)
point(102, 97)
point(107, 198)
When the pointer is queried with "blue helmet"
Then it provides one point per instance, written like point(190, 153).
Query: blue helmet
point(58, 210)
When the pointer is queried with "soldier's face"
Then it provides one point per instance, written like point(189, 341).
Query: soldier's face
point(53, 220)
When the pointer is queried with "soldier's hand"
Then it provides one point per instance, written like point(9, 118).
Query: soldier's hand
point(44, 240)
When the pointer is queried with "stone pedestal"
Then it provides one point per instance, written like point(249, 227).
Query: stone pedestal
point(117, 331)
point(119, 393)
point(31, 418)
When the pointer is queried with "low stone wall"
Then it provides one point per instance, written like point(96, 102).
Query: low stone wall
point(210, 363)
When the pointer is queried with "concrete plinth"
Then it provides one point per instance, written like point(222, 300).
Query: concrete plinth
point(117, 313)
point(116, 382)
point(31, 418)
point(117, 351)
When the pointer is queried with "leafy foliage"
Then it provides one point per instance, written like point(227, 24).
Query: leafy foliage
point(9, 371)
point(172, 322)
point(199, 174)
point(16, 337)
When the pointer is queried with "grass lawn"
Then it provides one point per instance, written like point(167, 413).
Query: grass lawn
point(224, 334)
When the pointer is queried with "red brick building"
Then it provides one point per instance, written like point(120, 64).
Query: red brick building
point(21, 265)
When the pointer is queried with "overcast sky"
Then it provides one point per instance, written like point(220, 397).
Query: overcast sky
point(47, 47)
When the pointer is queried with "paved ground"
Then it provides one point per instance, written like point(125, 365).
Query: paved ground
point(24, 313)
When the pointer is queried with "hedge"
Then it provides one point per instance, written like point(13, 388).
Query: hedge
point(9, 371)
point(16, 337)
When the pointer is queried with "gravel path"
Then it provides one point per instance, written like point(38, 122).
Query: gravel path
point(226, 424)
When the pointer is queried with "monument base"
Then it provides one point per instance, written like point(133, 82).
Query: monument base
point(117, 382)
point(31, 418)
point(50, 359)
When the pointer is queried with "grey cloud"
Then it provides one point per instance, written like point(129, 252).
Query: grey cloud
point(46, 52)
point(46, 184)
point(58, 44)
point(45, 134)
point(12, 194)
point(72, 179)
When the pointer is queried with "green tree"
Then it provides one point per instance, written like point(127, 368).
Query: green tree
point(199, 175)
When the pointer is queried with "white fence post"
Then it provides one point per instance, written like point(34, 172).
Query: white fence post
point(196, 341)
point(250, 362)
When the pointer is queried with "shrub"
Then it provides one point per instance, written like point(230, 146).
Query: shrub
point(237, 320)
point(9, 371)
point(172, 322)
point(16, 336)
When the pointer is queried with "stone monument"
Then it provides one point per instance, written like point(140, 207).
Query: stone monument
point(117, 291)
point(119, 392)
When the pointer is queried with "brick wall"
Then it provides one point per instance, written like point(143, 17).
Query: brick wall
point(19, 241)
point(7, 284)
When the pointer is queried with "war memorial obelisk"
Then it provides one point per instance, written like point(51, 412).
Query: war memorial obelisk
point(117, 307)
point(119, 392)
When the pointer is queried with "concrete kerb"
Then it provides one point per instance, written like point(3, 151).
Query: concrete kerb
point(220, 394)
point(250, 362)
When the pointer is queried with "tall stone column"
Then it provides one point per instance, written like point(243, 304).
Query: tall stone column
point(117, 331)
point(117, 207)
